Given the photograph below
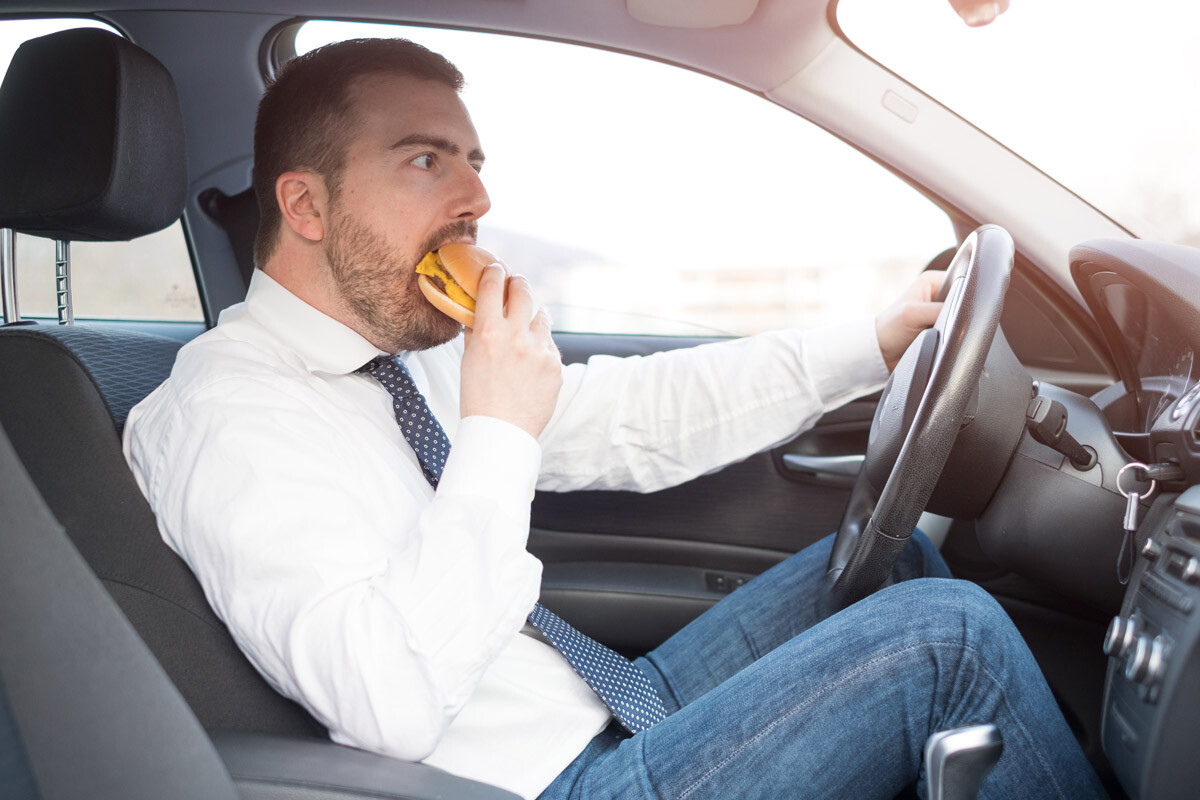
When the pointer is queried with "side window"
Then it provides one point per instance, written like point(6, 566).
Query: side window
point(110, 280)
point(644, 198)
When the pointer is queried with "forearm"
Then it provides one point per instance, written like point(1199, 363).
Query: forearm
point(648, 423)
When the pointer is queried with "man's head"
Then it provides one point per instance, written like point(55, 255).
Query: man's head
point(365, 158)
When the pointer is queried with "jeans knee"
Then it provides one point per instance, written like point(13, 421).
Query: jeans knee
point(957, 610)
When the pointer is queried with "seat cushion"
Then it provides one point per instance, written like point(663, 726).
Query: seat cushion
point(66, 435)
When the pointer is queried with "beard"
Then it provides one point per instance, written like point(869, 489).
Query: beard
point(380, 287)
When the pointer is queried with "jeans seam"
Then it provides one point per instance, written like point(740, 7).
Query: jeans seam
point(716, 768)
point(1019, 724)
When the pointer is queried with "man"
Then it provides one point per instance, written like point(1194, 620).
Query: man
point(378, 575)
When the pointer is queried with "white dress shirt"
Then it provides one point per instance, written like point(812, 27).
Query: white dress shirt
point(391, 612)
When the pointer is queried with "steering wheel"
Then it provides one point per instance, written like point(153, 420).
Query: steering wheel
point(924, 405)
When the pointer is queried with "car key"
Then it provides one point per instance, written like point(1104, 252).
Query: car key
point(1131, 512)
point(1133, 500)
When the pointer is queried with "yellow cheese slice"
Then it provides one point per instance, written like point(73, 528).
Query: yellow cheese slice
point(431, 265)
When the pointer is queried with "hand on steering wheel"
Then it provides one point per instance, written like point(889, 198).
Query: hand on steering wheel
point(919, 416)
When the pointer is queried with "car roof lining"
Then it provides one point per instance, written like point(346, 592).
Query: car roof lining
point(761, 53)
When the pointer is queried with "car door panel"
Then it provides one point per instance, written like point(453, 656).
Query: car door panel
point(631, 568)
point(757, 503)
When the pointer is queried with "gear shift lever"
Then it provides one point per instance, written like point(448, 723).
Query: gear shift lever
point(958, 760)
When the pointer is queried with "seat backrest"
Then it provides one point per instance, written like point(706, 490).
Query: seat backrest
point(84, 706)
point(65, 391)
point(238, 216)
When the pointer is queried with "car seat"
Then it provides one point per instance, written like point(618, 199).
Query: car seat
point(92, 149)
point(86, 711)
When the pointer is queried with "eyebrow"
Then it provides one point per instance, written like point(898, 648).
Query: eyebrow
point(438, 143)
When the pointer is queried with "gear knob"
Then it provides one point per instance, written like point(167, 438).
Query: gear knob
point(958, 760)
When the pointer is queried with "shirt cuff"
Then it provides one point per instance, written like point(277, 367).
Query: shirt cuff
point(844, 361)
point(494, 459)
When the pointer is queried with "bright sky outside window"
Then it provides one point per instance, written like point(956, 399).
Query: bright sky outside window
point(727, 212)
point(1101, 94)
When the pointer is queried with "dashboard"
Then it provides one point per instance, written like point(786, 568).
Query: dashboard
point(1146, 298)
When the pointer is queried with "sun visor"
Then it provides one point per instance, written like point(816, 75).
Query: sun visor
point(691, 13)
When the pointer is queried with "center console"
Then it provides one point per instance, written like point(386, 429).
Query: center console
point(1152, 691)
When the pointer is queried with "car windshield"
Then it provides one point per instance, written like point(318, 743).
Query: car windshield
point(1099, 94)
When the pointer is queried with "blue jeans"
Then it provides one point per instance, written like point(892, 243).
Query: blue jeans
point(770, 697)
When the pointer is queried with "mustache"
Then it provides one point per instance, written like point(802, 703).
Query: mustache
point(449, 233)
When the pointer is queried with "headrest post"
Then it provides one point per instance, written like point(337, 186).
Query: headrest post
point(8, 275)
point(62, 282)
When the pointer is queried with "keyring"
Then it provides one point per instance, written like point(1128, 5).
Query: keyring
point(1139, 465)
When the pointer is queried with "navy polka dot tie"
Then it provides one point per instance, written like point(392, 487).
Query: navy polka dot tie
point(421, 430)
point(615, 679)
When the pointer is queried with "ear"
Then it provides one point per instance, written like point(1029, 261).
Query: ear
point(303, 200)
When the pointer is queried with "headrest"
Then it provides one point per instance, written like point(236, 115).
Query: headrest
point(91, 140)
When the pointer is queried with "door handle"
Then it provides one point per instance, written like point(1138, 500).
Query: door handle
point(834, 469)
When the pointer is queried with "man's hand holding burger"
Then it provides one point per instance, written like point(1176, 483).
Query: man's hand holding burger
point(511, 368)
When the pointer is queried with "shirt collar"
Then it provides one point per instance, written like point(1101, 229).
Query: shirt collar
point(323, 343)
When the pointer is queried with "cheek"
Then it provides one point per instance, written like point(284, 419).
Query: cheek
point(403, 234)
point(391, 215)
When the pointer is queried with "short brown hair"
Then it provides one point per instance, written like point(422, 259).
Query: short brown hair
point(305, 116)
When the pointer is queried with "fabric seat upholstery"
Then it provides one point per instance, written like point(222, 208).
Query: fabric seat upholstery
point(87, 711)
point(65, 392)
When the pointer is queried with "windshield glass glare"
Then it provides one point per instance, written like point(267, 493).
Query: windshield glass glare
point(1100, 94)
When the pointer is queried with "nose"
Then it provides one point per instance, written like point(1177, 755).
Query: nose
point(471, 201)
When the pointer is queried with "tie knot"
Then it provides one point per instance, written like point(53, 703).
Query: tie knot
point(392, 373)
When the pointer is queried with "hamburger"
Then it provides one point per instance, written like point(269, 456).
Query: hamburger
point(449, 278)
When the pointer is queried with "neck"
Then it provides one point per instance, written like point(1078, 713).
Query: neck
point(306, 274)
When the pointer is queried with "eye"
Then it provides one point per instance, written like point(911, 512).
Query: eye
point(423, 161)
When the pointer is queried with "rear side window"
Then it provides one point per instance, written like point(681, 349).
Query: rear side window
point(149, 278)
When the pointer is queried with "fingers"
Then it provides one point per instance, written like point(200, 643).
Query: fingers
point(979, 12)
point(914, 311)
point(503, 296)
point(489, 298)
point(919, 316)
point(928, 284)
point(520, 305)
point(511, 368)
point(542, 328)
point(541, 320)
